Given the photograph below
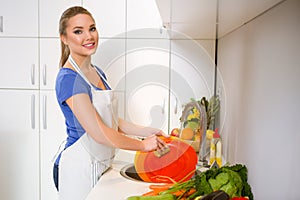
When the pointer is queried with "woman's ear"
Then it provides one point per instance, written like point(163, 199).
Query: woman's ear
point(63, 39)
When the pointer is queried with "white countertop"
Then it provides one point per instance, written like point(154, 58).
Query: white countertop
point(113, 186)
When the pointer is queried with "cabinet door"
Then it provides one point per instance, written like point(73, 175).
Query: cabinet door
point(50, 12)
point(49, 62)
point(19, 18)
point(144, 20)
point(192, 75)
point(19, 63)
point(19, 143)
point(109, 16)
point(147, 82)
point(53, 133)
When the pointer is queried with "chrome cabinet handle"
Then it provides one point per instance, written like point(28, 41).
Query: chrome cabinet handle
point(33, 111)
point(44, 74)
point(1, 24)
point(44, 112)
point(163, 106)
point(175, 106)
point(32, 74)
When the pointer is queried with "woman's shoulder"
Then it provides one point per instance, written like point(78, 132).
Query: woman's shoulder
point(68, 77)
point(66, 72)
point(68, 83)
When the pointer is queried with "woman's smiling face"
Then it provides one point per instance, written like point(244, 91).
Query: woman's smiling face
point(81, 35)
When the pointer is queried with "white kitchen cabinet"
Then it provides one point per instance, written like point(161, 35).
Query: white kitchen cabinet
point(50, 13)
point(49, 62)
point(144, 20)
point(19, 18)
point(162, 76)
point(52, 134)
point(109, 16)
point(192, 74)
point(19, 63)
point(19, 144)
point(31, 132)
point(193, 18)
point(147, 82)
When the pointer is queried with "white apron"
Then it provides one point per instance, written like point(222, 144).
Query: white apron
point(83, 163)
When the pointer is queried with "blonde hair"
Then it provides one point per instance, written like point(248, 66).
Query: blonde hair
point(63, 22)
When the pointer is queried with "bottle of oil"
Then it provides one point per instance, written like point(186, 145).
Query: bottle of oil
point(216, 149)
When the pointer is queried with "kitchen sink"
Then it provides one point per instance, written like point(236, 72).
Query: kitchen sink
point(129, 172)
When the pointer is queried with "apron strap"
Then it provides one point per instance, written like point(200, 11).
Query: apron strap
point(77, 68)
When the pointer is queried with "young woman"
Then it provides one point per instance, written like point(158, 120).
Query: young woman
point(89, 106)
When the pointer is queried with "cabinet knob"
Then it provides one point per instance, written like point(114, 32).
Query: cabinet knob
point(175, 106)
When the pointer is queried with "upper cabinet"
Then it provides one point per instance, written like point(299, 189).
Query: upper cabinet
point(110, 16)
point(191, 18)
point(19, 18)
point(49, 62)
point(144, 20)
point(234, 13)
point(49, 14)
point(147, 82)
point(197, 18)
point(19, 63)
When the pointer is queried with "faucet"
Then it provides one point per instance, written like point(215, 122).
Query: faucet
point(202, 160)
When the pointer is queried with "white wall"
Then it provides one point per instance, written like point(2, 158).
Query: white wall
point(260, 67)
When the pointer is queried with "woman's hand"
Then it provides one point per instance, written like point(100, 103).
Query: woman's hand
point(153, 142)
point(161, 133)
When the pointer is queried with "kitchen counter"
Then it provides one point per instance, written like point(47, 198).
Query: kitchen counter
point(113, 186)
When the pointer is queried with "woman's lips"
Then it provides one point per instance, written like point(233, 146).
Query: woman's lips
point(89, 46)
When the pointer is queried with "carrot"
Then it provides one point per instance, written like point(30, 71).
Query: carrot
point(191, 191)
point(184, 193)
point(160, 186)
point(179, 193)
point(157, 188)
point(163, 179)
point(151, 193)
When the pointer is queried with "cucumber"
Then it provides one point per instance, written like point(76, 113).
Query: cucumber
point(158, 197)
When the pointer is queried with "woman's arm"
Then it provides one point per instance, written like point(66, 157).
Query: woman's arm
point(132, 129)
point(90, 120)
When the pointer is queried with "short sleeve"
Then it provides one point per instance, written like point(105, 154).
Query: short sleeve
point(68, 84)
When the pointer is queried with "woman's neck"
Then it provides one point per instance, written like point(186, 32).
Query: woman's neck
point(83, 62)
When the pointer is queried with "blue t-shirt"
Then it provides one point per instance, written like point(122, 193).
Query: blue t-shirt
point(68, 84)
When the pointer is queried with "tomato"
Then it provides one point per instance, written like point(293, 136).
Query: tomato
point(239, 198)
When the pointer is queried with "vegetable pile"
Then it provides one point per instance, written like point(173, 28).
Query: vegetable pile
point(230, 179)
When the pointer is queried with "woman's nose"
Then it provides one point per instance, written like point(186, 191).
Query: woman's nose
point(89, 35)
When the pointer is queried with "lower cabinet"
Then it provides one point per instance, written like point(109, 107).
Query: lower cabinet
point(32, 128)
point(19, 143)
point(52, 136)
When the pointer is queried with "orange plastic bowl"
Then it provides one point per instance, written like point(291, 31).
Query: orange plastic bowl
point(178, 165)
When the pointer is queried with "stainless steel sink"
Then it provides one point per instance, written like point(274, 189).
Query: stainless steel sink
point(129, 172)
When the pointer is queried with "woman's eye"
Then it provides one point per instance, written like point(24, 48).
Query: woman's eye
point(77, 32)
point(93, 29)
